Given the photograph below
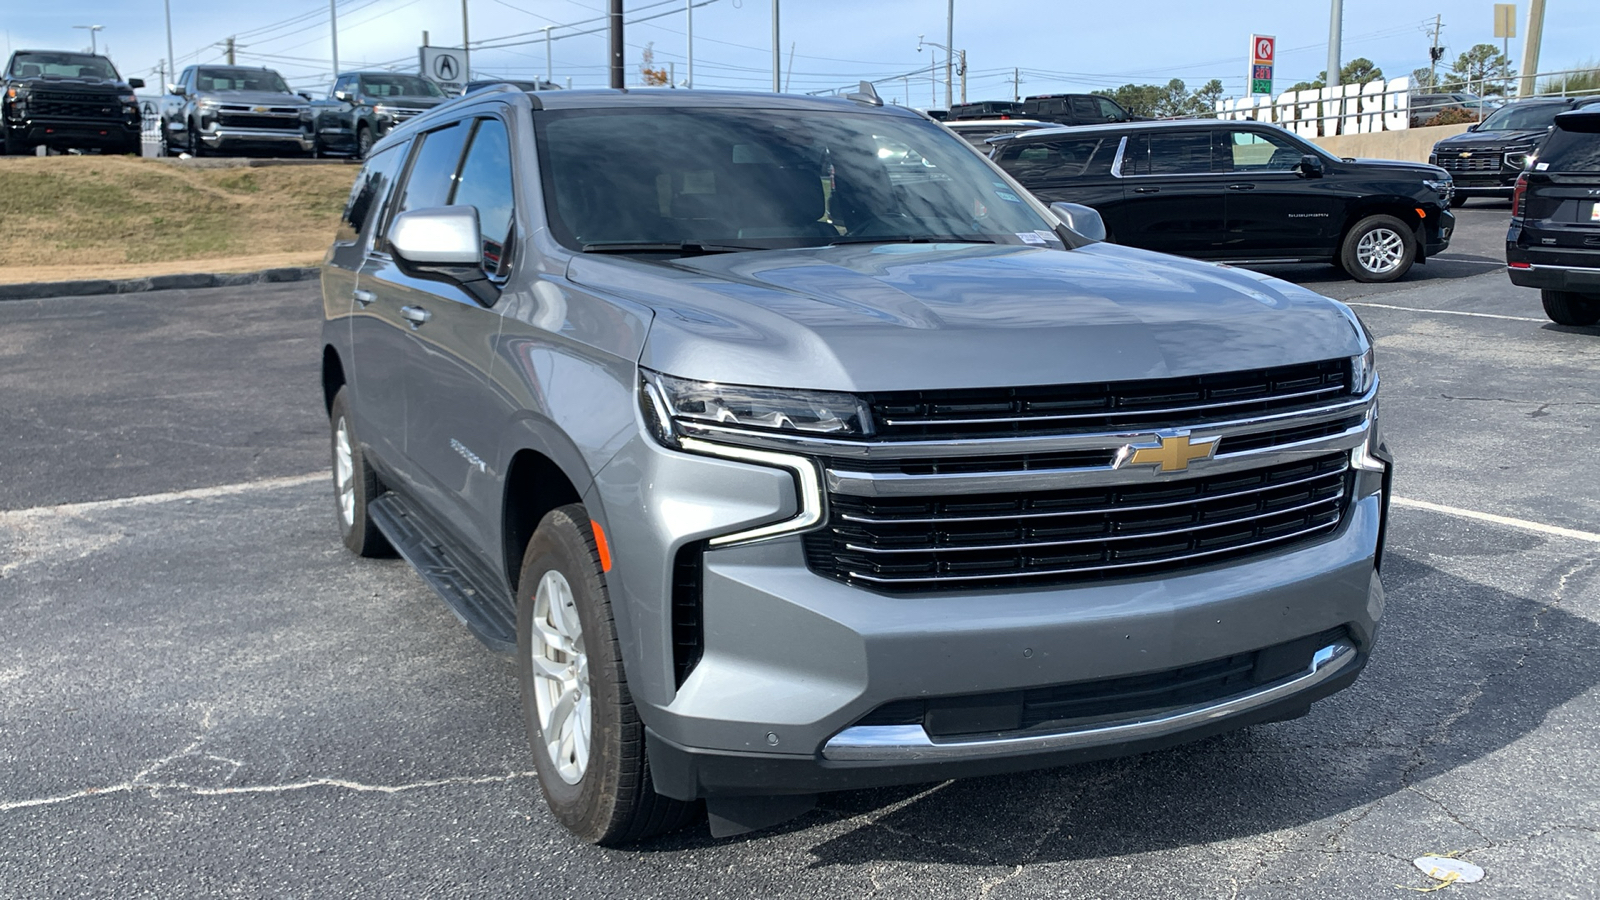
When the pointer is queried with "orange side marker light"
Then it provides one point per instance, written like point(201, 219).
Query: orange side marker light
point(601, 545)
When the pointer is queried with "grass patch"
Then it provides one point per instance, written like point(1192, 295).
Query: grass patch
point(89, 211)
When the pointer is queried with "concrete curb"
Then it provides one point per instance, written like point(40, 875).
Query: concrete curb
point(95, 287)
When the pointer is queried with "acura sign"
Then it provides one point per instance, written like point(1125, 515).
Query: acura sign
point(446, 67)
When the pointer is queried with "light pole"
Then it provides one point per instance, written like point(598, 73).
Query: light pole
point(170, 69)
point(949, 54)
point(949, 60)
point(776, 59)
point(1335, 26)
point(94, 46)
point(333, 22)
point(688, 9)
point(466, 45)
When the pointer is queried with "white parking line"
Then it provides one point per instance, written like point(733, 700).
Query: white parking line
point(1509, 522)
point(1445, 312)
point(205, 493)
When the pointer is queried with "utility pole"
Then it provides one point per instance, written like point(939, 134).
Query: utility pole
point(688, 10)
point(549, 70)
point(617, 81)
point(1334, 39)
point(1016, 85)
point(333, 22)
point(170, 67)
point(1530, 48)
point(466, 46)
point(962, 71)
point(230, 51)
point(1435, 54)
point(949, 51)
point(790, 73)
point(775, 57)
point(93, 30)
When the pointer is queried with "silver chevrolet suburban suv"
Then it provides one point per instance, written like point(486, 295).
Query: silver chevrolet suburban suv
point(789, 446)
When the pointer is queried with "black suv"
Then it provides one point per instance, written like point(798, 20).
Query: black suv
point(1073, 109)
point(1554, 241)
point(1486, 160)
point(985, 109)
point(1239, 191)
point(68, 101)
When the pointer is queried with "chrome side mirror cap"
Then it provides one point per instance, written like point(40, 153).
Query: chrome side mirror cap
point(342, 96)
point(441, 236)
point(1081, 220)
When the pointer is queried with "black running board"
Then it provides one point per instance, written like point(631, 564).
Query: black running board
point(485, 609)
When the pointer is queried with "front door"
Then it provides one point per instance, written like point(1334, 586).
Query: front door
point(1174, 201)
point(1272, 210)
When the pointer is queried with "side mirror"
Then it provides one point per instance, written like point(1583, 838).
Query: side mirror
point(176, 90)
point(443, 244)
point(1081, 220)
point(136, 83)
point(1473, 127)
point(342, 95)
point(1310, 166)
point(304, 96)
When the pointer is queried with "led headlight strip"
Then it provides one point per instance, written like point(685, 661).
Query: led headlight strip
point(812, 501)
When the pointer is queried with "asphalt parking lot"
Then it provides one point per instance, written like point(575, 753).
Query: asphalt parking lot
point(203, 694)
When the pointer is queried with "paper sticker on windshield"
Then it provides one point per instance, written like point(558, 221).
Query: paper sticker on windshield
point(1008, 196)
point(700, 181)
point(1540, 167)
point(1029, 237)
point(1049, 237)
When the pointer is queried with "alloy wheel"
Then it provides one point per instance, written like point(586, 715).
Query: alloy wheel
point(561, 677)
point(1381, 251)
point(344, 473)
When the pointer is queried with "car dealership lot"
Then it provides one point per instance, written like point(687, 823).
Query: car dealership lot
point(203, 693)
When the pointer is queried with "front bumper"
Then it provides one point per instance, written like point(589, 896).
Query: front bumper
point(792, 661)
point(220, 137)
point(1437, 230)
point(77, 133)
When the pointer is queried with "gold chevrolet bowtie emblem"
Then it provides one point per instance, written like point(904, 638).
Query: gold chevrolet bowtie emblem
point(1466, 153)
point(259, 109)
point(1173, 454)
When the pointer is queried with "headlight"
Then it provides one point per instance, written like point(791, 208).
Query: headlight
point(666, 400)
point(210, 105)
point(1519, 159)
point(384, 115)
point(1443, 186)
point(305, 114)
point(16, 92)
point(1363, 372)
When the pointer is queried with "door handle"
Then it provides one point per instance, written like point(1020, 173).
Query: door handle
point(1147, 190)
point(364, 297)
point(1241, 187)
point(416, 315)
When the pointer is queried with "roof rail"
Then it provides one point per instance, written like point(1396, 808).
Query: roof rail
point(865, 94)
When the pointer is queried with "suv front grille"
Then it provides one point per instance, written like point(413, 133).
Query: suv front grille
point(260, 122)
point(1128, 405)
point(1475, 163)
point(1029, 539)
point(52, 105)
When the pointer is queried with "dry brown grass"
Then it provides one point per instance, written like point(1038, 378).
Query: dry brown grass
point(104, 217)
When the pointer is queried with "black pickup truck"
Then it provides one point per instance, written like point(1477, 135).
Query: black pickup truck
point(362, 106)
point(68, 101)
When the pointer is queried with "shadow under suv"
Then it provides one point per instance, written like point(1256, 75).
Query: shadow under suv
point(789, 446)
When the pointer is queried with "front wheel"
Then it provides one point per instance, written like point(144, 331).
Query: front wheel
point(364, 142)
point(1378, 249)
point(13, 145)
point(587, 740)
point(354, 484)
point(1568, 308)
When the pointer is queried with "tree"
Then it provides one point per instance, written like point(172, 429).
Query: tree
point(652, 77)
point(1357, 71)
point(1424, 80)
point(1483, 70)
point(1321, 82)
point(1163, 101)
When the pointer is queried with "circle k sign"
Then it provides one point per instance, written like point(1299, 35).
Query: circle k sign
point(1261, 48)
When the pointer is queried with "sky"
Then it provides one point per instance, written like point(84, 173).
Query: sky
point(1050, 45)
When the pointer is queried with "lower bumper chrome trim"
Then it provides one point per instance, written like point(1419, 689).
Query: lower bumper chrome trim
point(908, 743)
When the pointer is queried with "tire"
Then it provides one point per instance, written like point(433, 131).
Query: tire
point(1378, 249)
point(364, 141)
point(354, 484)
point(596, 780)
point(13, 146)
point(197, 147)
point(1568, 308)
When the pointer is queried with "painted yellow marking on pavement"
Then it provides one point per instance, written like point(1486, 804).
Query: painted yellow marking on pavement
point(1446, 312)
point(1507, 521)
point(205, 493)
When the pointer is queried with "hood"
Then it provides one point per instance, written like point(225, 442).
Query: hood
point(44, 81)
point(1394, 166)
point(255, 98)
point(932, 316)
point(1490, 140)
point(407, 102)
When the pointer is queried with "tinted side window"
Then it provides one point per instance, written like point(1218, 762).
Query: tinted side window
point(1084, 109)
point(371, 186)
point(1254, 151)
point(1569, 150)
point(485, 183)
point(1111, 111)
point(1046, 161)
point(433, 170)
point(1169, 153)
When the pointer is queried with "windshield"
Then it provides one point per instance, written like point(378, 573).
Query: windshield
point(768, 179)
point(1523, 118)
point(241, 80)
point(62, 65)
point(398, 86)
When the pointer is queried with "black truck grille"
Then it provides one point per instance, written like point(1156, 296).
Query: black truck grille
point(54, 105)
point(1485, 163)
point(1029, 539)
point(1059, 707)
point(1065, 409)
point(260, 123)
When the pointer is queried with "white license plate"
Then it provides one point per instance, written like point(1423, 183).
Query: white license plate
point(1594, 212)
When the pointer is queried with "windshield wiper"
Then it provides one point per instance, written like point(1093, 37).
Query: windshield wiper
point(686, 248)
point(863, 239)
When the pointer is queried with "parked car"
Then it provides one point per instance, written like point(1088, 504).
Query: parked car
point(978, 131)
point(1074, 109)
point(986, 109)
point(223, 109)
point(519, 85)
point(361, 107)
point(775, 476)
point(1486, 160)
point(1239, 191)
point(1424, 107)
point(67, 101)
point(1554, 240)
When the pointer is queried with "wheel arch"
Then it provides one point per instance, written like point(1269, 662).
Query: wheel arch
point(1401, 208)
point(543, 470)
point(333, 377)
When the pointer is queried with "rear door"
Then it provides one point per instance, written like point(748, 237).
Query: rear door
point(1272, 211)
point(1174, 201)
point(1073, 168)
